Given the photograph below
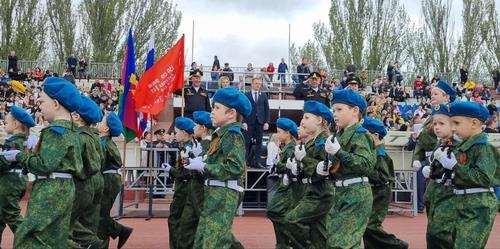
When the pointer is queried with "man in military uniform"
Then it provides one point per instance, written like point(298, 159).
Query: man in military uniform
point(353, 83)
point(195, 97)
point(160, 143)
point(314, 92)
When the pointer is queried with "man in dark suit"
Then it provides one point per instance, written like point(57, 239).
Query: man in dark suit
point(256, 123)
point(195, 97)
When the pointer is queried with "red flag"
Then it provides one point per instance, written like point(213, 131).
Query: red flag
point(162, 79)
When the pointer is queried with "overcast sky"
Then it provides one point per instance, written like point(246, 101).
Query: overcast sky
point(256, 31)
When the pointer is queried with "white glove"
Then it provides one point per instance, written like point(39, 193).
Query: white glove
point(300, 153)
point(448, 163)
point(290, 163)
point(10, 155)
point(32, 141)
point(416, 165)
point(426, 171)
point(294, 169)
point(332, 147)
point(167, 167)
point(196, 165)
point(439, 153)
point(197, 149)
point(185, 152)
point(320, 169)
point(286, 181)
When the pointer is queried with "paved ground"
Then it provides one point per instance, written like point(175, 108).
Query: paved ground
point(255, 231)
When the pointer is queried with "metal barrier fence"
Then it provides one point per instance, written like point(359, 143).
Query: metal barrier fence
point(113, 71)
point(150, 178)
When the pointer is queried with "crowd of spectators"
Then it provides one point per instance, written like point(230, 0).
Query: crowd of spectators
point(400, 107)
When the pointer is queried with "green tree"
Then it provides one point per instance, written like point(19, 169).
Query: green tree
point(62, 27)
point(366, 33)
point(437, 15)
point(160, 17)
point(22, 25)
point(491, 54)
point(311, 51)
point(104, 24)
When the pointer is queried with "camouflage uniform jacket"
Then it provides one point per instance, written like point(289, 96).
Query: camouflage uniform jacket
point(91, 150)
point(384, 168)
point(58, 151)
point(13, 142)
point(426, 141)
point(112, 158)
point(357, 154)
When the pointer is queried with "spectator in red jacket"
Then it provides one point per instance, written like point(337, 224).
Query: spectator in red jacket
point(418, 86)
point(270, 70)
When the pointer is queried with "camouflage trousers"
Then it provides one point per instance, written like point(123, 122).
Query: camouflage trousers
point(86, 209)
point(285, 199)
point(12, 188)
point(349, 216)
point(108, 227)
point(46, 225)
point(438, 234)
point(176, 207)
point(214, 227)
point(305, 224)
point(188, 215)
point(474, 215)
point(375, 237)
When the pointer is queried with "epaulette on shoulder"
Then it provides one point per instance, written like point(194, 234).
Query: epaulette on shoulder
point(361, 130)
point(57, 129)
point(481, 141)
point(235, 129)
point(381, 152)
point(319, 142)
point(11, 139)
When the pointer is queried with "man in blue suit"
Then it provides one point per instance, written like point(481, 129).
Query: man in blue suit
point(256, 123)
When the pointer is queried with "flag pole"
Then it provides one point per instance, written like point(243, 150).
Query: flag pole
point(182, 104)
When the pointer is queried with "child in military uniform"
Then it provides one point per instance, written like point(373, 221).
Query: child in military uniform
point(475, 163)
point(354, 151)
point(85, 215)
point(109, 127)
point(442, 93)
point(12, 180)
point(381, 180)
point(56, 160)
point(185, 208)
point(438, 188)
point(203, 129)
point(289, 192)
point(305, 224)
point(222, 168)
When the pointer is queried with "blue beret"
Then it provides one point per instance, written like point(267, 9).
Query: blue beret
point(287, 124)
point(114, 124)
point(441, 109)
point(232, 98)
point(22, 116)
point(89, 111)
point(446, 88)
point(469, 109)
point(318, 109)
point(184, 124)
point(349, 97)
point(374, 126)
point(203, 118)
point(63, 91)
